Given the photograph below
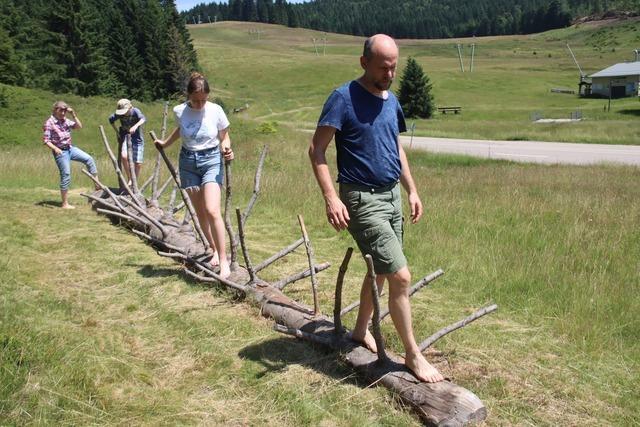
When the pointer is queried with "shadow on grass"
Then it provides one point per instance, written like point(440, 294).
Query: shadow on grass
point(631, 112)
point(277, 354)
point(151, 271)
point(49, 203)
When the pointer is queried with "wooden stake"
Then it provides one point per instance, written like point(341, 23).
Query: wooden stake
point(183, 193)
point(417, 286)
point(314, 281)
point(233, 241)
point(156, 170)
point(337, 321)
point(123, 181)
point(245, 252)
point(377, 332)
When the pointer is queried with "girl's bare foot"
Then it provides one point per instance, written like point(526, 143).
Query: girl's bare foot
point(215, 259)
point(67, 206)
point(422, 369)
point(225, 271)
point(367, 340)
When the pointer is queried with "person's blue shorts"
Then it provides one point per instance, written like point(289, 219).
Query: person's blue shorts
point(138, 150)
point(199, 167)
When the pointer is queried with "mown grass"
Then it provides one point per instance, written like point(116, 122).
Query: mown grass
point(97, 329)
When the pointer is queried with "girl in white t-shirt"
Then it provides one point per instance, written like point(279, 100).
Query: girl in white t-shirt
point(204, 130)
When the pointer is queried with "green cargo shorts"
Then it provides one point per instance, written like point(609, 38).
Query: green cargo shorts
point(376, 224)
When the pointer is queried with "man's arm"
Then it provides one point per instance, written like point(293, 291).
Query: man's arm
point(410, 187)
point(337, 214)
point(78, 124)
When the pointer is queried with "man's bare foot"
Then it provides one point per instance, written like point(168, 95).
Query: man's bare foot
point(225, 271)
point(422, 369)
point(368, 341)
point(67, 206)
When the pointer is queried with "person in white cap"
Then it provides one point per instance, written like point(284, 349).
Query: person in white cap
point(131, 121)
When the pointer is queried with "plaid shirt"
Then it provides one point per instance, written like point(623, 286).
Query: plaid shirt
point(58, 132)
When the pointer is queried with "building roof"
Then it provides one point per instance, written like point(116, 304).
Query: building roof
point(619, 70)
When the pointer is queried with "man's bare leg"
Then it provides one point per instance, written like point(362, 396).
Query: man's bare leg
point(400, 310)
point(361, 332)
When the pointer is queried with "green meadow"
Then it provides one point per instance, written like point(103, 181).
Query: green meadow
point(96, 329)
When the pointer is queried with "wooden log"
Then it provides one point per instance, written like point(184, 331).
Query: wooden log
point(462, 323)
point(292, 247)
point(442, 403)
point(245, 252)
point(144, 213)
point(314, 280)
point(280, 284)
point(337, 321)
point(376, 330)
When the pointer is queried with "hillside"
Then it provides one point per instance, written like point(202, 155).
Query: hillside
point(284, 78)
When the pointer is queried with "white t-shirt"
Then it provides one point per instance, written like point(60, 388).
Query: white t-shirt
point(199, 128)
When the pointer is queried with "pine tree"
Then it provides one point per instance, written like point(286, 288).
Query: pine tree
point(415, 91)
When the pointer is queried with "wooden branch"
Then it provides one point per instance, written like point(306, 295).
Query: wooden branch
point(350, 308)
point(245, 253)
point(146, 184)
point(301, 334)
point(464, 322)
point(155, 195)
point(132, 169)
point(120, 215)
point(102, 202)
point(164, 186)
point(106, 189)
point(377, 332)
point(417, 286)
point(157, 241)
point(233, 240)
point(292, 247)
point(121, 177)
point(177, 208)
point(185, 196)
point(314, 281)
point(256, 186)
point(280, 284)
point(200, 265)
point(337, 321)
point(198, 277)
point(145, 214)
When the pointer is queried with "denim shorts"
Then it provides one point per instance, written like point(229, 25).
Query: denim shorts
point(137, 147)
point(375, 222)
point(200, 167)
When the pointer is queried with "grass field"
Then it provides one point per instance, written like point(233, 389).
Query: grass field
point(95, 328)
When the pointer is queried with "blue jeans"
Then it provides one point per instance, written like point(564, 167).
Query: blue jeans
point(199, 167)
point(63, 160)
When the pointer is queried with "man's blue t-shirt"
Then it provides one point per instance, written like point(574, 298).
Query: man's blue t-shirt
point(367, 129)
point(127, 121)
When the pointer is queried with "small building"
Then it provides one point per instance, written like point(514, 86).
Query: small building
point(621, 79)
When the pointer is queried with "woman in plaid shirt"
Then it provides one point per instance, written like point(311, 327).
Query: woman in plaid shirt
point(57, 136)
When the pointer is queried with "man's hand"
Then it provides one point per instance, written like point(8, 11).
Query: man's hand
point(337, 213)
point(57, 151)
point(416, 207)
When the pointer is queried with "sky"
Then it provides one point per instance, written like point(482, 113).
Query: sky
point(188, 4)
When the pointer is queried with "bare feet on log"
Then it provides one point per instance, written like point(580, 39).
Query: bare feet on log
point(225, 271)
point(422, 369)
point(67, 206)
point(368, 341)
point(215, 259)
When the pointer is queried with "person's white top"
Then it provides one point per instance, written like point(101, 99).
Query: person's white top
point(199, 128)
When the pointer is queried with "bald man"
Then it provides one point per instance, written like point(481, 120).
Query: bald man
point(365, 118)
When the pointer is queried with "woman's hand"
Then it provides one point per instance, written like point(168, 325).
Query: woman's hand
point(227, 152)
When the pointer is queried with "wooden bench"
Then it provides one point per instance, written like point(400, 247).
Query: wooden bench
point(445, 110)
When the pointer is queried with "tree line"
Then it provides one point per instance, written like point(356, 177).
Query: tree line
point(125, 48)
point(410, 18)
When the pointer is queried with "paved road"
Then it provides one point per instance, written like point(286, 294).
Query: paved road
point(530, 151)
